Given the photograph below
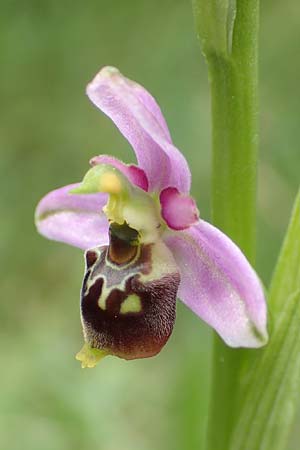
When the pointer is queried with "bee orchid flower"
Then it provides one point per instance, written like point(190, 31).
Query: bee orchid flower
point(144, 242)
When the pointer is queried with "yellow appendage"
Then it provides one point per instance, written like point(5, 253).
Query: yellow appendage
point(89, 356)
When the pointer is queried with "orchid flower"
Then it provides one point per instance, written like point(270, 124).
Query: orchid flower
point(145, 243)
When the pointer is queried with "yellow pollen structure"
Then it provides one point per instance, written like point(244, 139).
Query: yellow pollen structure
point(110, 183)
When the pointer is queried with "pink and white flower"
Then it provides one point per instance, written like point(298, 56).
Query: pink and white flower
point(144, 241)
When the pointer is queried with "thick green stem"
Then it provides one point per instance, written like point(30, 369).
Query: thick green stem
point(234, 110)
point(232, 63)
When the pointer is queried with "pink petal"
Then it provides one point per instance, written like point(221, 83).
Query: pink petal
point(150, 103)
point(178, 210)
point(134, 174)
point(137, 115)
point(219, 285)
point(74, 219)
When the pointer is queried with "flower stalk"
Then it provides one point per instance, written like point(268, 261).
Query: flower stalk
point(228, 31)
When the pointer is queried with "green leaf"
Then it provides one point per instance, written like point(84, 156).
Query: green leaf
point(269, 403)
point(215, 23)
point(269, 399)
point(286, 278)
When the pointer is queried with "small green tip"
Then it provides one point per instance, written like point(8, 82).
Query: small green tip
point(89, 356)
point(79, 190)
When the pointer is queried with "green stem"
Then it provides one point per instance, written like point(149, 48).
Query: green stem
point(231, 55)
point(233, 91)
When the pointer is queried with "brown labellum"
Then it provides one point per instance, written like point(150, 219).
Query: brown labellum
point(128, 300)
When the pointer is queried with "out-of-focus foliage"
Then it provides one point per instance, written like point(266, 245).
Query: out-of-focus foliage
point(48, 131)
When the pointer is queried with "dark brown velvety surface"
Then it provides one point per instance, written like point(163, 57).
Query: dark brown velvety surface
point(133, 334)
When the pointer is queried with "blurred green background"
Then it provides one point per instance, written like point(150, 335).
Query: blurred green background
point(49, 50)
